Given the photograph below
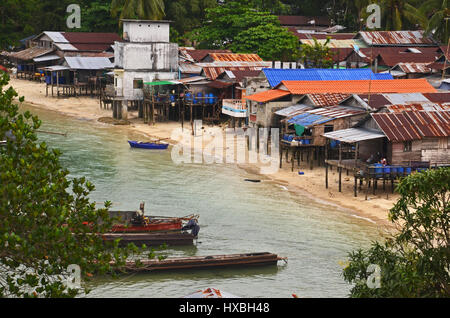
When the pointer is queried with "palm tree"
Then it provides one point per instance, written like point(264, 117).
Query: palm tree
point(433, 17)
point(138, 9)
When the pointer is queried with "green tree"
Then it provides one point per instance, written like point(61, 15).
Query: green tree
point(96, 17)
point(415, 261)
point(42, 214)
point(317, 55)
point(241, 28)
point(269, 41)
point(187, 14)
point(138, 9)
point(433, 17)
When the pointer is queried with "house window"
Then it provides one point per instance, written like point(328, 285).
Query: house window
point(138, 83)
point(328, 128)
point(407, 146)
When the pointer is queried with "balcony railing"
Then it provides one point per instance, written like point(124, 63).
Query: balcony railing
point(234, 108)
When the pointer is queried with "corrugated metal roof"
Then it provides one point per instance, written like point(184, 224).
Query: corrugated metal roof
point(337, 43)
point(440, 97)
point(194, 55)
point(358, 86)
point(88, 63)
point(293, 110)
point(267, 96)
point(30, 53)
point(51, 57)
point(309, 120)
point(392, 59)
point(396, 99)
point(411, 125)
point(189, 68)
point(376, 101)
point(327, 99)
point(418, 107)
point(410, 68)
point(397, 38)
point(57, 37)
point(322, 115)
point(275, 76)
point(213, 72)
point(234, 57)
point(66, 47)
point(353, 135)
point(322, 35)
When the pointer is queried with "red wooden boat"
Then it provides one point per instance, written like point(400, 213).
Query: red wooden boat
point(137, 222)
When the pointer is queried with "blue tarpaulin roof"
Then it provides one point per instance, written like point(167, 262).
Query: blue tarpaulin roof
point(275, 76)
point(307, 119)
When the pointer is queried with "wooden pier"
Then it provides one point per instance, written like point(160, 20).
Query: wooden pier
point(204, 262)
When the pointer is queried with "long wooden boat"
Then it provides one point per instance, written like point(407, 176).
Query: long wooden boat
point(148, 145)
point(205, 262)
point(134, 222)
point(151, 239)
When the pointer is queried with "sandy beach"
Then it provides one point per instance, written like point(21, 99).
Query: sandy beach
point(312, 183)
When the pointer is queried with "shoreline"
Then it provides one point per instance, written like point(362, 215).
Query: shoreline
point(311, 184)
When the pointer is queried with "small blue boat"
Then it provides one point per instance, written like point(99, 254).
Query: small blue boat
point(147, 145)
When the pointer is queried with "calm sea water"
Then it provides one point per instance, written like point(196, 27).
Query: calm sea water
point(235, 217)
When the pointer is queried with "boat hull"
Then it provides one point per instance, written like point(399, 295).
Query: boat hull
point(135, 144)
point(157, 227)
point(205, 262)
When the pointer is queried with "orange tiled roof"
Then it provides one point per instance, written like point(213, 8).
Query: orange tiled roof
point(267, 96)
point(358, 87)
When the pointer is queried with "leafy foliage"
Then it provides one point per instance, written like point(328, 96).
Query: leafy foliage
point(42, 214)
point(317, 56)
point(241, 28)
point(415, 262)
point(138, 9)
point(269, 41)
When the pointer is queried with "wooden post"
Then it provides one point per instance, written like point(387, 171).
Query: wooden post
point(340, 179)
point(356, 186)
point(326, 175)
point(57, 82)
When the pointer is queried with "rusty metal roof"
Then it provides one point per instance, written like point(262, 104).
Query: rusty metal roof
point(393, 58)
point(396, 38)
point(327, 99)
point(194, 55)
point(419, 106)
point(413, 125)
point(440, 97)
point(410, 68)
point(212, 72)
point(234, 57)
point(30, 53)
point(358, 86)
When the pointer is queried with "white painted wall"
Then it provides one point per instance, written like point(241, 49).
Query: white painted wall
point(146, 31)
point(150, 56)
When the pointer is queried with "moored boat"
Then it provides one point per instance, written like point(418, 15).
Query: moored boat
point(205, 262)
point(148, 145)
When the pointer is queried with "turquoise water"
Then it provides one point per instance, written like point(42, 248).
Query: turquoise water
point(235, 217)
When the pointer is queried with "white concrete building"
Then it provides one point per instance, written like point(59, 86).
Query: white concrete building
point(144, 55)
